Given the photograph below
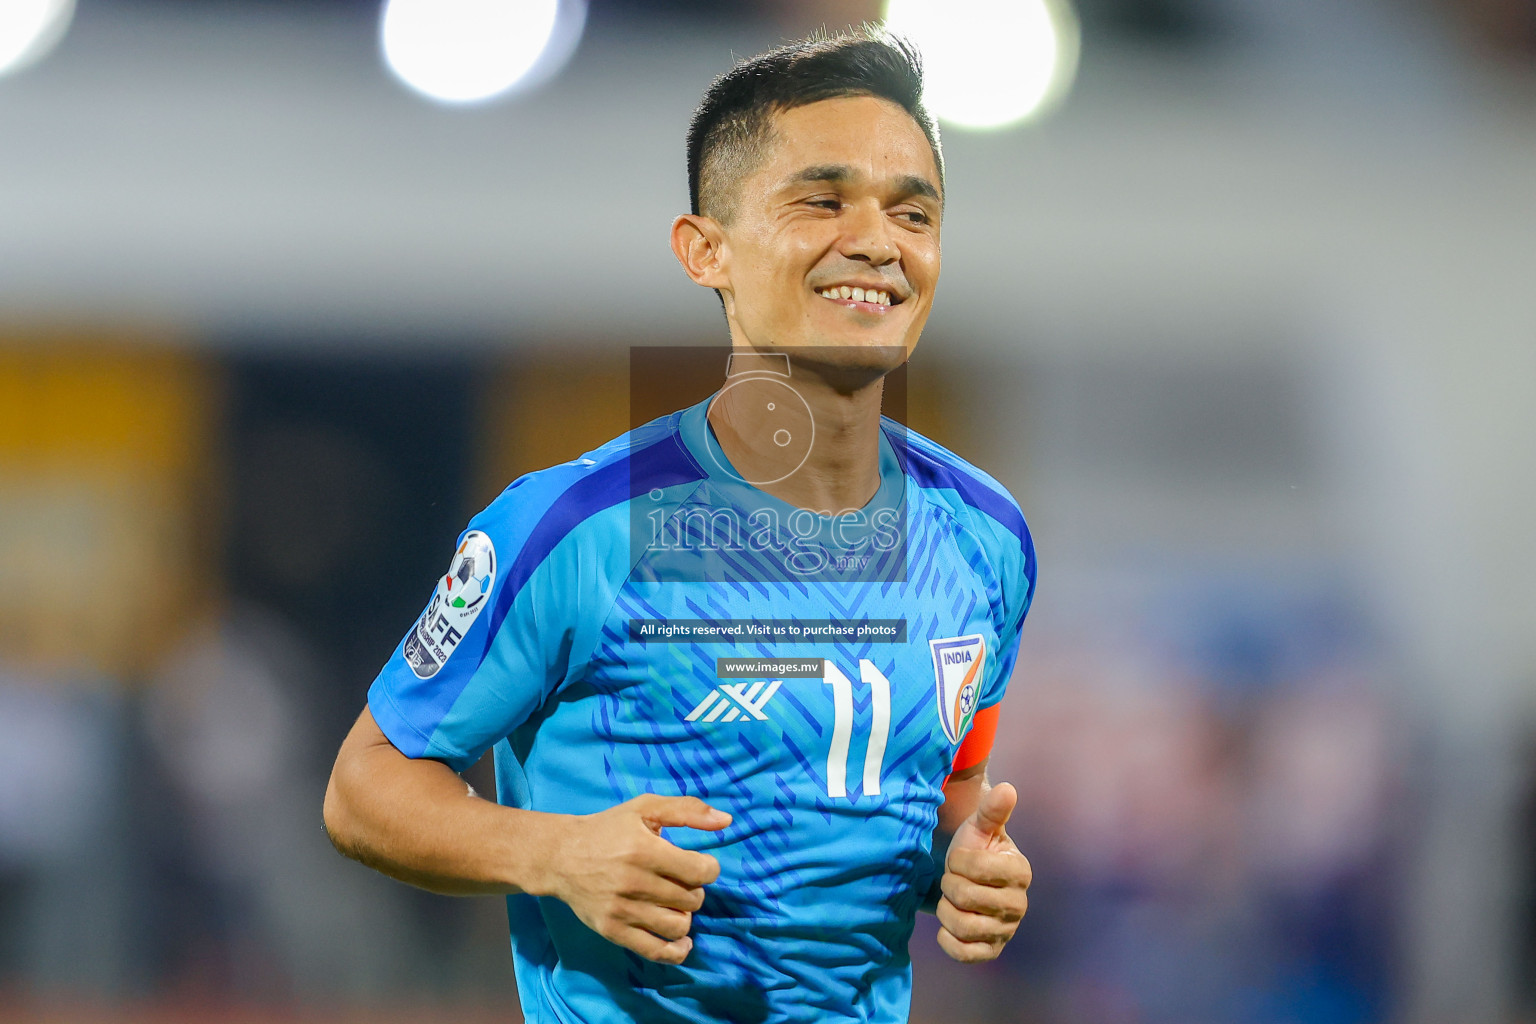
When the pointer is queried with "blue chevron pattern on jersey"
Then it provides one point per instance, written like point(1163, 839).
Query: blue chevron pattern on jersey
point(834, 782)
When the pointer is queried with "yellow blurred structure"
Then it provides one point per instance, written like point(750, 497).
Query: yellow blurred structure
point(105, 517)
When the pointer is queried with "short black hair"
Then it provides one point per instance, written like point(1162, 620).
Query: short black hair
point(731, 125)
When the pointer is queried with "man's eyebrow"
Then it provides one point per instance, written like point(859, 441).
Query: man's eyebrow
point(836, 174)
point(916, 185)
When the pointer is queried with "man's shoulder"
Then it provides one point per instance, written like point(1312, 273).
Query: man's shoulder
point(976, 499)
point(602, 480)
point(956, 484)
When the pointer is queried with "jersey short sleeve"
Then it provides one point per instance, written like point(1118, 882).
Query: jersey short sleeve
point(504, 628)
point(1014, 561)
point(997, 540)
point(1009, 551)
point(994, 517)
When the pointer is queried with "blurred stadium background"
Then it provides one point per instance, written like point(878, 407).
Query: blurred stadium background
point(1247, 323)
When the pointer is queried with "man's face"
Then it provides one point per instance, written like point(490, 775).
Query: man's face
point(846, 197)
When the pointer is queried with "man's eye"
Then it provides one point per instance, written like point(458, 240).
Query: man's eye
point(914, 216)
point(826, 204)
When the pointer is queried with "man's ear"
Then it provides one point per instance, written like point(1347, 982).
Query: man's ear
point(698, 242)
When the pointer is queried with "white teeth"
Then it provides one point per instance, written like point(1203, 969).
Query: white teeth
point(844, 291)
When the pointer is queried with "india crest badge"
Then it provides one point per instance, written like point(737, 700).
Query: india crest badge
point(957, 673)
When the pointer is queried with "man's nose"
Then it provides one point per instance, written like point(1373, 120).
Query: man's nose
point(868, 237)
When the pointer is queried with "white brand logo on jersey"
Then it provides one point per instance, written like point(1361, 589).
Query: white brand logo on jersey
point(957, 675)
point(459, 599)
point(731, 701)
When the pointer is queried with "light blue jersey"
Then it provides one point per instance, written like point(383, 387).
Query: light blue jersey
point(579, 632)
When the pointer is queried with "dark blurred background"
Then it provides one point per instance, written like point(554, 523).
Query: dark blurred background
point(1246, 320)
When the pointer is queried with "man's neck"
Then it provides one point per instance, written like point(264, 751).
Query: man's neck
point(811, 441)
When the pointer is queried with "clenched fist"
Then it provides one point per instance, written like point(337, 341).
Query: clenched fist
point(986, 882)
point(627, 883)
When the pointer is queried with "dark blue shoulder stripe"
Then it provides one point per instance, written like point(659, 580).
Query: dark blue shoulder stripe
point(663, 464)
point(928, 470)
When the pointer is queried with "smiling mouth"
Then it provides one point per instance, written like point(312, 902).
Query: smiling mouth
point(867, 297)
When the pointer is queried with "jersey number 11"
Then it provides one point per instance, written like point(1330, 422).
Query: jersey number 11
point(842, 726)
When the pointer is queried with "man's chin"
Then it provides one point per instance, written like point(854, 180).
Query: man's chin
point(855, 364)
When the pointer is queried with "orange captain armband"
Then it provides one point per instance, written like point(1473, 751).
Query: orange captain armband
point(977, 744)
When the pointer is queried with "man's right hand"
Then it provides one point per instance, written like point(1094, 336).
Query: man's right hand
point(626, 882)
point(416, 820)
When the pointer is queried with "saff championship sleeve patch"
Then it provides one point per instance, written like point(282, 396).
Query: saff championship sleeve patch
point(460, 597)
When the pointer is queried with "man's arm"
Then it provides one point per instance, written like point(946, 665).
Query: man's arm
point(984, 889)
point(962, 792)
point(961, 795)
point(416, 820)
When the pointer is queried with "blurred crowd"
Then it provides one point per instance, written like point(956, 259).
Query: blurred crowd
point(1218, 834)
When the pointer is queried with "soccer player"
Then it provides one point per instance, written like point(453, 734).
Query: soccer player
point(740, 667)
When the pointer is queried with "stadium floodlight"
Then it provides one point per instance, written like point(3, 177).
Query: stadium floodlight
point(29, 29)
point(990, 63)
point(466, 51)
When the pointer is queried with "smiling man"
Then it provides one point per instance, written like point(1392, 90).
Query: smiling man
point(741, 666)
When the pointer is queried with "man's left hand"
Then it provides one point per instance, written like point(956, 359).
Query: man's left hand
point(986, 882)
